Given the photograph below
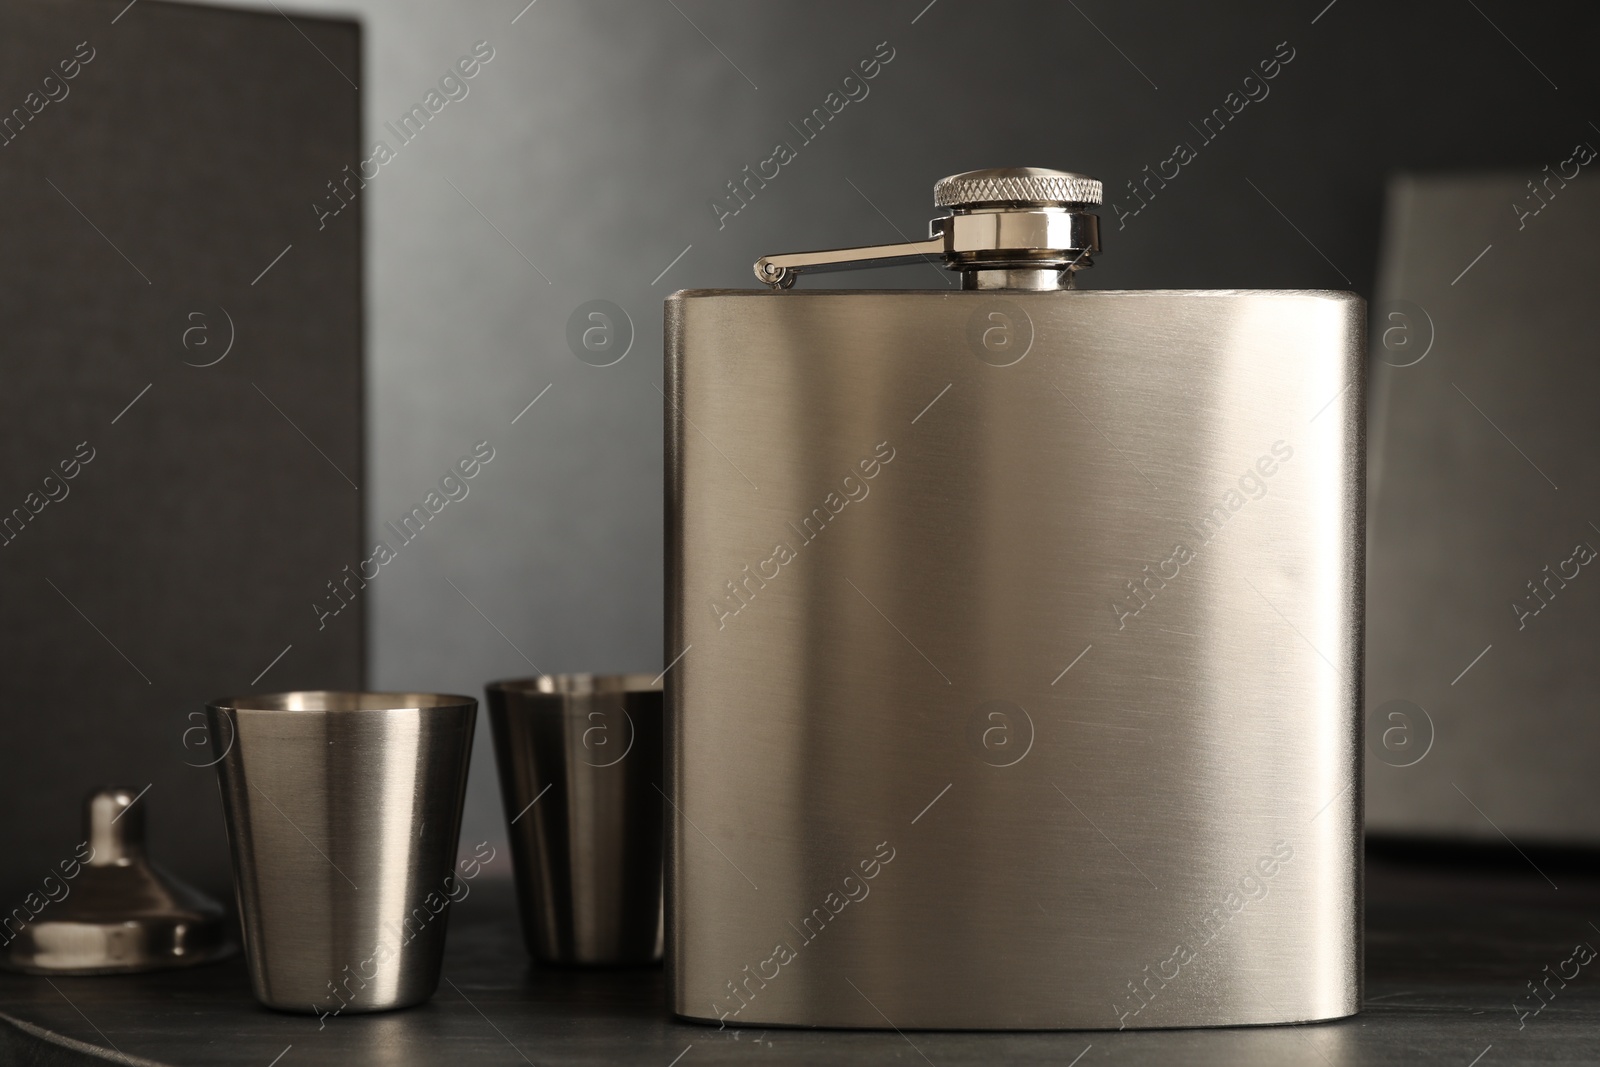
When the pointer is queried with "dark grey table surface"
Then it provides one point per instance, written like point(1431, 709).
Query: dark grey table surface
point(1449, 952)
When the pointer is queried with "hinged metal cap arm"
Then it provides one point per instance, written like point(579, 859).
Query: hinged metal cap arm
point(1009, 228)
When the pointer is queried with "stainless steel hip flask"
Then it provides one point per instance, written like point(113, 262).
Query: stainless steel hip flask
point(1020, 632)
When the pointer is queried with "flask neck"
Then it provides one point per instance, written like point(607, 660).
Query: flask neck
point(1030, 278)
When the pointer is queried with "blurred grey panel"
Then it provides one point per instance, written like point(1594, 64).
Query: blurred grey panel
point(1483, 591)
point(180, 402)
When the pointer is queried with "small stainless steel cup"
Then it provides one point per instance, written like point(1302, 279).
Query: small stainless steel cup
point(580, 759)
point(343, 811)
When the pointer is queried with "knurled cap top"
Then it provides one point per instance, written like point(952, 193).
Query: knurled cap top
point(1016, 185)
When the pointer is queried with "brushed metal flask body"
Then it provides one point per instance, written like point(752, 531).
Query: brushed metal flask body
point(1023, 661)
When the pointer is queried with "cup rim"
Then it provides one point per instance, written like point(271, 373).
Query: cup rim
point(341, 701)
point(582, 684)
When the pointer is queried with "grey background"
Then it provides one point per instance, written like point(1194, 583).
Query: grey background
point(595, 138)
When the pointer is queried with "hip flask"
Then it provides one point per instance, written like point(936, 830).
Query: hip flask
point(1016, 633)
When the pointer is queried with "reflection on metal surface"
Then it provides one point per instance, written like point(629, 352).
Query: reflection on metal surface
point(109, 910)
point(580, 759)
point(343, 811)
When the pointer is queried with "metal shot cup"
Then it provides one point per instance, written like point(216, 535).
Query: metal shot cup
point(343, 811)
point(580, 759)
